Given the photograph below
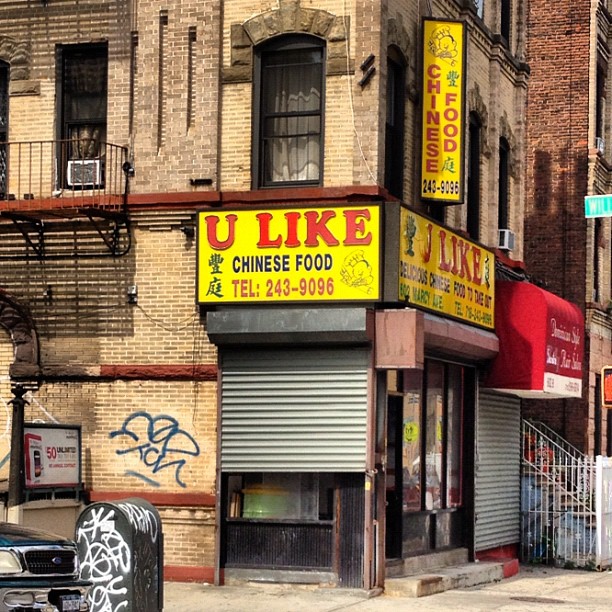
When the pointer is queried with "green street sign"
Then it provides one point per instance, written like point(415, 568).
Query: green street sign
point(598, 206)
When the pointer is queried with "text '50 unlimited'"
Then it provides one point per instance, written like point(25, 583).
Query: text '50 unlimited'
point(289, 255)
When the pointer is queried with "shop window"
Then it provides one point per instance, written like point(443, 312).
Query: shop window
point(432, 435)
point(82, 122)
point(394, 125)
point(299, 496)
point(454, 436)
point(428, 425)
point(288, 112)
point(411, 441)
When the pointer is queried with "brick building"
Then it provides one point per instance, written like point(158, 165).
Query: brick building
point(568, 121)
point(340, 406)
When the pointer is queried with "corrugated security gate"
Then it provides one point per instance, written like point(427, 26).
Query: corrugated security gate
point(497, 471)
point(294, 410)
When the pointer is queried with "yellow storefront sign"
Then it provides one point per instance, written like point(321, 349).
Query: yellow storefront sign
point(289, 255)
point(443, 110)
point(444, 272)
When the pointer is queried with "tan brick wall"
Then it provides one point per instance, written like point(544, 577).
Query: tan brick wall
point(198, 126)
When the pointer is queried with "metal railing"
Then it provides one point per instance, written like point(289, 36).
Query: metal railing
point(558, 518)
point(62, 173)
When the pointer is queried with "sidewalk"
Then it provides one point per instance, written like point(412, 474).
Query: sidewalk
point(541, 589)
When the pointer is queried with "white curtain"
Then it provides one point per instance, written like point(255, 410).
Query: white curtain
point(293, 123)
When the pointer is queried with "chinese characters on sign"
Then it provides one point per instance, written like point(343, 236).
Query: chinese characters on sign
point(445, 273)
point(289, 255)
point(443, 110)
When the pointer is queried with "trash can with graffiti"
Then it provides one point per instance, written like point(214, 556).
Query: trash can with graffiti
point(120, 547)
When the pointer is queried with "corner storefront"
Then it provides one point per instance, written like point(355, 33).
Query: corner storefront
point(349, 368)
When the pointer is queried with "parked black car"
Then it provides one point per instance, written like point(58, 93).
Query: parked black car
point(39, 572)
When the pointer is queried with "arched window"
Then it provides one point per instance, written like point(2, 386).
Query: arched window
point(473, 187)
point(288, 112)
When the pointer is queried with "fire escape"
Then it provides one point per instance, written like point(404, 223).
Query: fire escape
point(63, 198)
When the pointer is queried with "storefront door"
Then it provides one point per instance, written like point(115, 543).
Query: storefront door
point(426, 463)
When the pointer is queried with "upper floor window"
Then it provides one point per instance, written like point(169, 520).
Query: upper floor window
point(4, 114)
point(504, 25)
point(600, 107)
point(83, 98)
point(288, 112)
point(473, 182)
point(503, 195)
point(394, 128)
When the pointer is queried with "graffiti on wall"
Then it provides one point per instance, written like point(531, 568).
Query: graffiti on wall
point(120, 553)
point(105, 560)
point(159, 443)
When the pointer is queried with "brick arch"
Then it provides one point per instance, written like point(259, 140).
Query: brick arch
point(477, 105)
point(397, 36)
point(18, 323)
point(505, 131)
point(17, 55)
point(290, 18)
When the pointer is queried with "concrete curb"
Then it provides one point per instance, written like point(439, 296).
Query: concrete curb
point(445, 579)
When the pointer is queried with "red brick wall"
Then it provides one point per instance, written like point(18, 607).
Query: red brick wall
point(558, 52)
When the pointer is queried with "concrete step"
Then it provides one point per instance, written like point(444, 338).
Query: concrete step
point(396, 568)
point(445, 579)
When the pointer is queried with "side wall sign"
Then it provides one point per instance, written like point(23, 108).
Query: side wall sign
point(289, 255)
point(52, 455)
point(443, 111)
point(445, 273)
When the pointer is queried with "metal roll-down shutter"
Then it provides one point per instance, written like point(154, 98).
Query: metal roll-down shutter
point(497, 471)
point(297, 410)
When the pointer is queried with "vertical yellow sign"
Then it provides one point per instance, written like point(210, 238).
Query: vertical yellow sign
point(443, 111)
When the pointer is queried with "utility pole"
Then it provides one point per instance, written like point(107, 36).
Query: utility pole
point(17, 466)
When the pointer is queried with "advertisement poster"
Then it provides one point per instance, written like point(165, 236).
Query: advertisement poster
point(52, 456)
point(444, 272)
point(443, 111)
point(305, 254)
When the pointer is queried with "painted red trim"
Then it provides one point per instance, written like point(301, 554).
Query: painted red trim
point(509, 551)
point(310, 195)
point(511, 568)
point(201, 371)
point(173, 200)
point(157, 499)
point(189, 573)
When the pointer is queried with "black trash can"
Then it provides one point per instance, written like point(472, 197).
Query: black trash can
point(121, 552)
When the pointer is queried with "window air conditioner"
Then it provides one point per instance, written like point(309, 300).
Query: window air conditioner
point(506, 240)
point(600, 143)
point(84, 173)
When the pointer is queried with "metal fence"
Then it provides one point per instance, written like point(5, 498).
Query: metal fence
point(558, 494)
point(68, 173)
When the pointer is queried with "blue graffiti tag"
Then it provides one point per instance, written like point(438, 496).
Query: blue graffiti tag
point(157, 448)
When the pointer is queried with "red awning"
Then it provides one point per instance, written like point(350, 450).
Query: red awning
point(541, 341)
